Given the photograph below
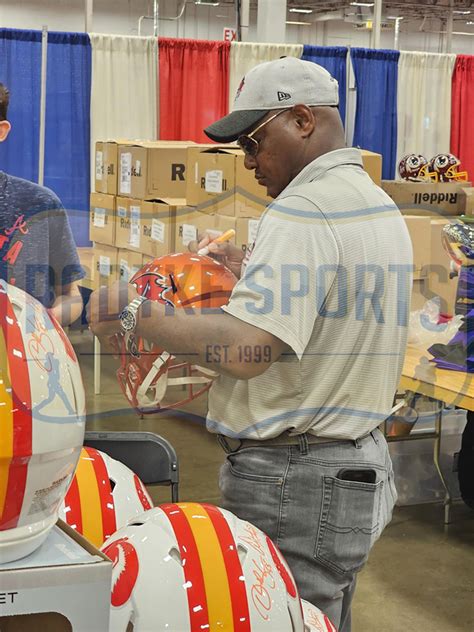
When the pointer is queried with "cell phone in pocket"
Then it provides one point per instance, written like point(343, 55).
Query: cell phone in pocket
point(360, 476)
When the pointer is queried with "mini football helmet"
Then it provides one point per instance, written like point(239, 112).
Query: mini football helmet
point(104, 494)
point(190, 566)
point(184, 281)
point(412, 167)
point(445, 166)
point(315, 620)
point(458, 241)
point(42, 415)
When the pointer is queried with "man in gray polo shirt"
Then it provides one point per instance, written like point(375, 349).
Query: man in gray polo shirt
point(314, 336)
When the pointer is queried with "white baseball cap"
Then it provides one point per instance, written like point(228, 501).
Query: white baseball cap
point(275, 85)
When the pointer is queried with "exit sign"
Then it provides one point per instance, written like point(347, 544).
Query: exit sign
point(230, 35)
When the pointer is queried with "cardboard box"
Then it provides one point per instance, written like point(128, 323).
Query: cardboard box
point(467, 201)
point(251, 198)
point(86, 258)
point(373, 165)
point(418, 294)
point(129, 223)
point(102, 218)
point(104, 271)
point(419, 228)
point(63, 585)
point(152, 169)
point(425, 198)
point(189, 224)
point(246, 232)
point(129, 263)
point(106, 155)
point(158, 226)
point(211, 179)
point(439, 282)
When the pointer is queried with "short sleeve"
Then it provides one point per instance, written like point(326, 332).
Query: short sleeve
point(292, 267)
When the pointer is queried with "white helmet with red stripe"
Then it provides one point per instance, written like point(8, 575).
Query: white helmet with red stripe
point(315, 620)
point(42, 413)
point(190, 566)
point(104, 495)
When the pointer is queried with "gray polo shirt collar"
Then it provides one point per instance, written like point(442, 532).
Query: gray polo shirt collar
point(319, 166)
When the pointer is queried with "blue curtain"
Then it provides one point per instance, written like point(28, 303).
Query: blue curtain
point(67, 145)
point(334, 59)
point(20, 71)
point(376, 77)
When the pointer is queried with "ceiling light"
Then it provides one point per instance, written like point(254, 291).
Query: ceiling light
point(470, 22)
point(394, 17)
point(295, 10)
point(362, 4)
point(462, 12)
point(207, 3)
point(299, 23)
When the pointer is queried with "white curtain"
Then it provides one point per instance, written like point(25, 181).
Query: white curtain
point(124, 88)
point(424, 103)
point(246, 55)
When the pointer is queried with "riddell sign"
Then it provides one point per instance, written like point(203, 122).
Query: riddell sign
point(230, 35)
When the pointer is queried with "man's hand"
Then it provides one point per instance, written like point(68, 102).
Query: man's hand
point(105, 306)
point(226, 253)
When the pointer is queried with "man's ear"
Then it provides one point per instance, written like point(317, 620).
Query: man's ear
point(5, 128)
point(304, 118)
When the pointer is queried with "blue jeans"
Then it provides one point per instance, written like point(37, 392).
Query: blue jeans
point(324, 526)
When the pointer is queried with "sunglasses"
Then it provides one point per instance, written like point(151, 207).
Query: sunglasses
point(248, 144)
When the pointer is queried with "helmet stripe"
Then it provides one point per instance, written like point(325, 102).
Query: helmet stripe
point(238, 592)
point(195, 587)
point(72, 505)
point(107, 506)
point(213, 567)
point(6, 435)
point(142, 494)
point(22, 421)
point(88, 486)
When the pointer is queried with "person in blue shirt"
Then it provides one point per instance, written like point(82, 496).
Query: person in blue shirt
point(37, 250)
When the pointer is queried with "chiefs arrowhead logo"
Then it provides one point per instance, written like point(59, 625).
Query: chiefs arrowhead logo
point(124, 570)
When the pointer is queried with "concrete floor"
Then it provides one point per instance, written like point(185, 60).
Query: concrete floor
point(420, 575)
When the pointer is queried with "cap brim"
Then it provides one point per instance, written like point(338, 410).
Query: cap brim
point(233, 125)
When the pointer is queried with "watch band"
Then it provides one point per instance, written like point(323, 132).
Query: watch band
point(128, 317)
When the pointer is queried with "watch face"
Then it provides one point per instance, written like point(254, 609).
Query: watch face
point(127, 318)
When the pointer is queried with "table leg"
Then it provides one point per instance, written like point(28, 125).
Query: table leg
point(436, 454)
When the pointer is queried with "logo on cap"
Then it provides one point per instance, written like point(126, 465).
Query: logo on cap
point(283, 96)
point(239, 89)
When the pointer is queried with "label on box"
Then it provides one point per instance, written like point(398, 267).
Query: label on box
point(158, 231)
point(126, 173)
point(252, 230)
point(122, 211)
point(124, 271)
point(213, 182)
point(99, 165)
point(135, 235)
point(99, 217)
point(104, 266)
point(196, 173)
point(135, 214)
point(189, 233)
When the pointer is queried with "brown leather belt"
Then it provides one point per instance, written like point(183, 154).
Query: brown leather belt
point(233, 445)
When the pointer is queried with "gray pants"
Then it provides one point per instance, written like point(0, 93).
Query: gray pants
point(324, 526)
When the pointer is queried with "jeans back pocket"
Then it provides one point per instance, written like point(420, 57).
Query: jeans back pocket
point(349, 523)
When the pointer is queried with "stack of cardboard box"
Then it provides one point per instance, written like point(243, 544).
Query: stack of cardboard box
point(153, 198)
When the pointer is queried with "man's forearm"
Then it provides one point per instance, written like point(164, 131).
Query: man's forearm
point(218, 341)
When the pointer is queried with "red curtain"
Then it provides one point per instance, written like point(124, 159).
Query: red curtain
point(193, 87)
point(462, 113)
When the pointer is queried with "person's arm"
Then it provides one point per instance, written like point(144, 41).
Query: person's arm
point(220, 342)
point(68, 305)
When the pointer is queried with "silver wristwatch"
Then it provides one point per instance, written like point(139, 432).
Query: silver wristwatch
point(128, 317)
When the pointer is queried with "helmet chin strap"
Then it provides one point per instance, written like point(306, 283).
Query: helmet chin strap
point(150, 394)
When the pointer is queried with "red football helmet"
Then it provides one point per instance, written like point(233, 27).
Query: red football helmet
point(187, 281)
point(445, 166)
point(412, 167)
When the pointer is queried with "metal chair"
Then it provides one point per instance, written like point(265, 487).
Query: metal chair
point(150, 456)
